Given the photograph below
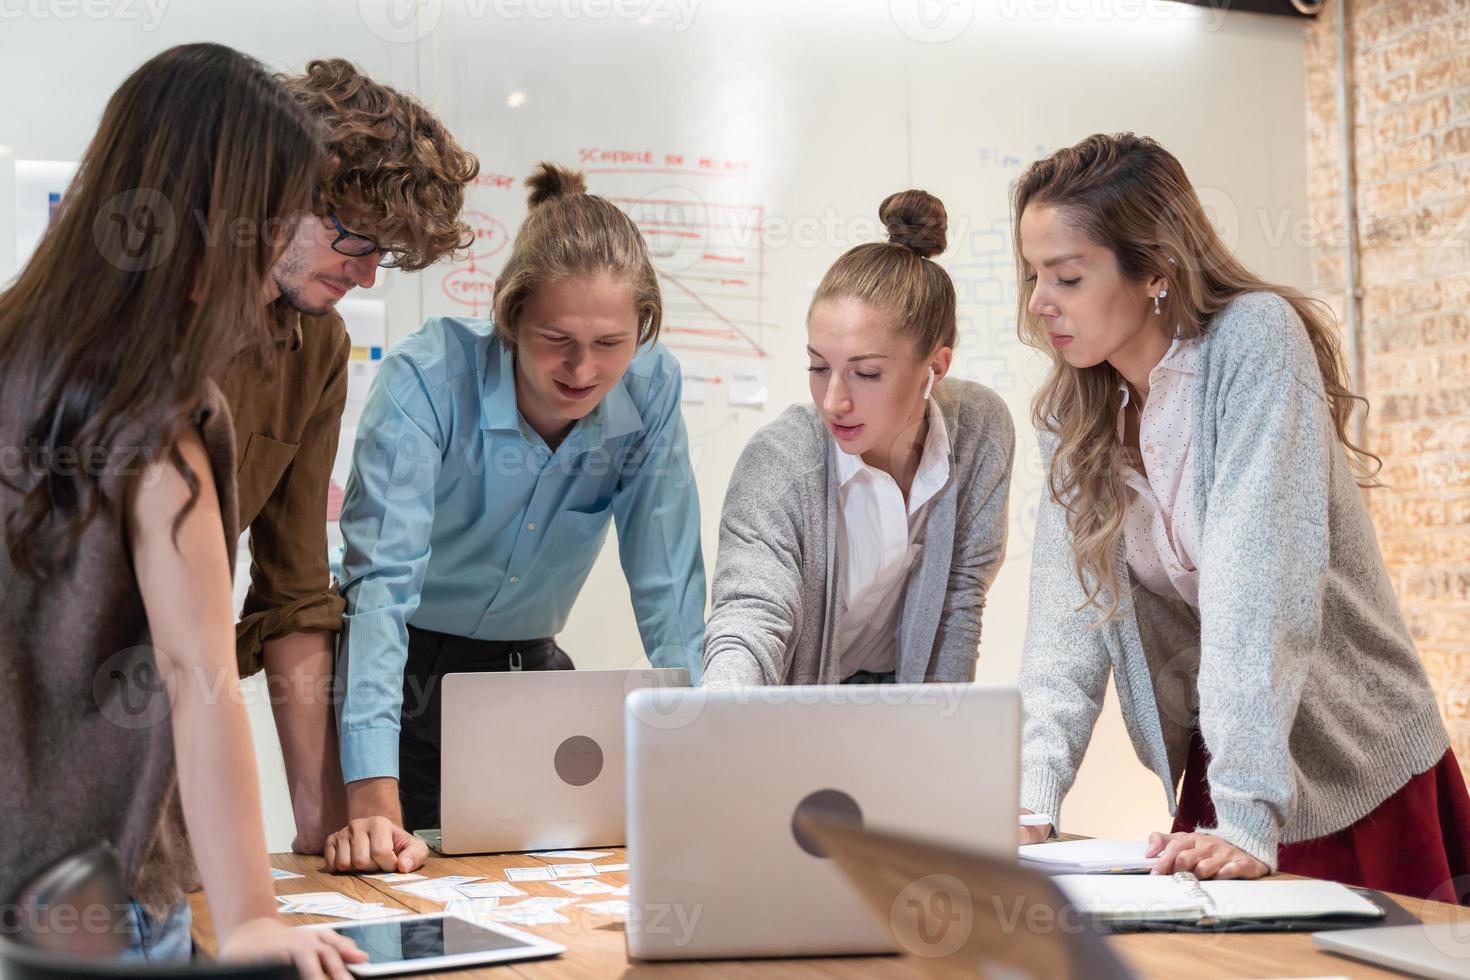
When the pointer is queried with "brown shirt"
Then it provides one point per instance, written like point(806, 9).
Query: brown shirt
point(286, 428)
point(89, 753)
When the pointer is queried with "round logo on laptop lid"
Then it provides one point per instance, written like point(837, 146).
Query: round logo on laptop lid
point(578, 760)
point(831, 803)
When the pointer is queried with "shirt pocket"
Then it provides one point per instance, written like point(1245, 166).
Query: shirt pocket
point(261, 466)
point(576, 537)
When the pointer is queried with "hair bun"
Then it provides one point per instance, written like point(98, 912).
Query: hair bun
point(551, 180)
point(916, 220)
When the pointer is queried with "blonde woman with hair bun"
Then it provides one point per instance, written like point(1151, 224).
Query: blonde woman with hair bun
point(492, 457)
point(861, 532)
point(1202, 537)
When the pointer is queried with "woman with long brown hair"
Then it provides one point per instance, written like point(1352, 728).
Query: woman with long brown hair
point(1203, 537)
point(117, 500)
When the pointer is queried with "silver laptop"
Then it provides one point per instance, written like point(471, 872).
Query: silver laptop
point(1441, 951)
point(533, 760)
point(717, 779)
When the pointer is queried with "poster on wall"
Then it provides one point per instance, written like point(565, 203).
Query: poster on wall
point(39, 185)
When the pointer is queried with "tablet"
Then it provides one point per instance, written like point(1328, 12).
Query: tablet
point(437, 941)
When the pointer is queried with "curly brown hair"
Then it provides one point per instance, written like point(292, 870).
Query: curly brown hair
point(390, 164)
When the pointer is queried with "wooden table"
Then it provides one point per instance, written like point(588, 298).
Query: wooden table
point(595, 947)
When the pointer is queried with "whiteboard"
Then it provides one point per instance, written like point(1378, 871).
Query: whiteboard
point(753, 141)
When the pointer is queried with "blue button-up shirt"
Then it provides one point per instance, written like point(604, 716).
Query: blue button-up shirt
point(459, 518)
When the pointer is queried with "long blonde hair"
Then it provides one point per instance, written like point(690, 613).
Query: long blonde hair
point(1129, 195)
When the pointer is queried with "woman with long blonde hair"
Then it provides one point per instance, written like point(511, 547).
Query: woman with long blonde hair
point(1203, 537)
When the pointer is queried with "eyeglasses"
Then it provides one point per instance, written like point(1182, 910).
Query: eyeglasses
point(352, 244)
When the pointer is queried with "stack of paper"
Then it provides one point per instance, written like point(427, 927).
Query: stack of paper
point(335, 905)
point(1087, 857)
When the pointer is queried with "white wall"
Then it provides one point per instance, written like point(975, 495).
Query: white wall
point(819, 109)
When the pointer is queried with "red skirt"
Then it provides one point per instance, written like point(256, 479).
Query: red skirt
point(1416, 842)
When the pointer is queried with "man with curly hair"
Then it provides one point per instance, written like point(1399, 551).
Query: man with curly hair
point(390, 196)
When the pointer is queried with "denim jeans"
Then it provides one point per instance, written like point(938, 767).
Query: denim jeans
point(154, 940)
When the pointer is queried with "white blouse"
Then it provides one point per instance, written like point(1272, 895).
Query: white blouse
point(879, 540)
point(1161, 534)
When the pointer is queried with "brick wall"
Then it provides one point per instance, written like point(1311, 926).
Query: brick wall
point(1410, 76)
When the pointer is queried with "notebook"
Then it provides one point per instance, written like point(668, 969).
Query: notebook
point(1087, 857)
point(1183, 898)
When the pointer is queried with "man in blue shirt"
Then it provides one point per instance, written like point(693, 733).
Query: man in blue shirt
point(489, 463)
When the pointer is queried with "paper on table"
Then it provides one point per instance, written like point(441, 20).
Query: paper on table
point(438, 889)
point(621, 890)
point(528, 874)
point(531, 917)
point(395, 877)
point(1094, 856)
point(532, 912)
point(585, 886)
point(612, 906)
point(489, 889)
point(477, 910)
point(573, 870)
point(334, 905)
point(570, 855)
point(281, 874)
point(611, 867)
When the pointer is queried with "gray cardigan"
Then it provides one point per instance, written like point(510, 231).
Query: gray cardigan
point(1297, 669)
point(776, 592)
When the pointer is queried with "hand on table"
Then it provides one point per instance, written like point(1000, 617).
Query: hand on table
point(1204, 855)
point(374, 844)
point(1034, 835)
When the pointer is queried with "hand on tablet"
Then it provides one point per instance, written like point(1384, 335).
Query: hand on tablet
point(374, 844)
point(316, 953)
point(1204, 855)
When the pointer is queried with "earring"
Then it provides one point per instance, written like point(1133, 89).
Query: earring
point(1162, 294)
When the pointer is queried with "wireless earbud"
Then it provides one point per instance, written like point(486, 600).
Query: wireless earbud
point(929, 385)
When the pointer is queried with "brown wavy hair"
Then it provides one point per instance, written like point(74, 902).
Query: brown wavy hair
point(143, 288)
point(1128, 194)
point(567, 234)
point(390, 164)
point(897, 277)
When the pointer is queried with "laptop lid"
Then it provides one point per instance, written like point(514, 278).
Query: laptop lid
point(967, 913)
point(534, 760)
point(1441, 950)
point(716, 779)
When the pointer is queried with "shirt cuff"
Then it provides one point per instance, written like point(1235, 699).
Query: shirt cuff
point(732, 668)
point(369, 753)
point(320, 611)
